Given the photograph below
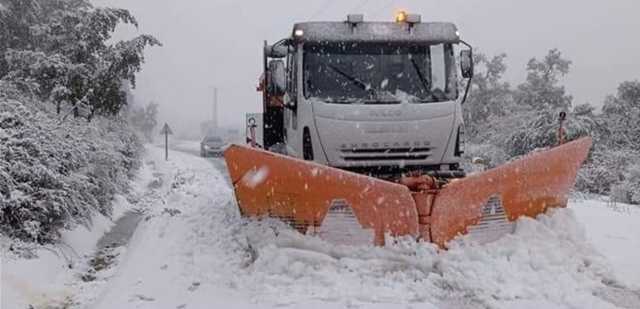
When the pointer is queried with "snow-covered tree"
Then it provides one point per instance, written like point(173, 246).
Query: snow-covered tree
point(538, 102)
point(614, 167)
point(541, 90)
point(506, 123)
point(490, 95)
point(145, 119)
point(61, 51)
point(622, 115)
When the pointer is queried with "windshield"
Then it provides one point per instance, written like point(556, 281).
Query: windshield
point(213, 139)
point(379, 73)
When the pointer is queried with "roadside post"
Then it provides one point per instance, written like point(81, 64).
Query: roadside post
point(166, 130)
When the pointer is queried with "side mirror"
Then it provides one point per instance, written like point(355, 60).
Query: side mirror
point(466, 63)
point(278, 50)
point(277, 78)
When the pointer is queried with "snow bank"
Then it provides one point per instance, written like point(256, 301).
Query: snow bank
point(45, 276)
point(56, 174)
point(613, 229)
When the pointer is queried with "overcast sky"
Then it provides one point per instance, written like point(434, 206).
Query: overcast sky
point(209, 42)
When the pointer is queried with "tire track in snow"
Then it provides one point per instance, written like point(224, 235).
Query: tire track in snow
point(185, 251)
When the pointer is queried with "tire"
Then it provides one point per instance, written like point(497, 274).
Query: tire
point(307, 145)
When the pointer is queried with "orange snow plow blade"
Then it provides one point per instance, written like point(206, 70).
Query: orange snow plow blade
point(349, 208)
point(301, 193)
point(484, 204)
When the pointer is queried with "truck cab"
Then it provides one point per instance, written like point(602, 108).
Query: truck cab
point(379, 98)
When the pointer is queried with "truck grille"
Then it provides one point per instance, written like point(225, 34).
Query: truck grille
point(385, 154)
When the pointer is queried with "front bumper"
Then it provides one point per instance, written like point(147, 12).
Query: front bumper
point(212, 152)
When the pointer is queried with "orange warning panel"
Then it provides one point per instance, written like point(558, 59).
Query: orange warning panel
point(301, 193)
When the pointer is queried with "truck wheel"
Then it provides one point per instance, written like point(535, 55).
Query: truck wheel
point(307, 146)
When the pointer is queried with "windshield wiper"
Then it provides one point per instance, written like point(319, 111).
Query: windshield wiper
point(423, 80)
point(434, 96)
point(352, 79)
point(375, 95)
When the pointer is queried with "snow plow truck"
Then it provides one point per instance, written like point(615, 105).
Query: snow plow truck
point(363, 139)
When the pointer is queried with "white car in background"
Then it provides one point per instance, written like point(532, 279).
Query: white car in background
point(212, 146)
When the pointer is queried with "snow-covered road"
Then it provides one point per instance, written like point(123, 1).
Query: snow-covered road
point(192, 250)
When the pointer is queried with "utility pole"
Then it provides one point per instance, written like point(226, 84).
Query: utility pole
point(214, 120)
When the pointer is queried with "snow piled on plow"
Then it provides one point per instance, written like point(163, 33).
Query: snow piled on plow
point(546, 262)
point(296, 268)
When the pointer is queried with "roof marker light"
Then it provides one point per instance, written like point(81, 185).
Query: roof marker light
point(401, 16)
point(355, 18)
point(414, 18)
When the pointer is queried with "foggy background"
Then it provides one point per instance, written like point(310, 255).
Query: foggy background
point(211, 43)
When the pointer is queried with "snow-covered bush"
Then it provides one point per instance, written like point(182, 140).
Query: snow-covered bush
point(539, 129)
point(628, 190)
point(55, 174)
point(605, 169)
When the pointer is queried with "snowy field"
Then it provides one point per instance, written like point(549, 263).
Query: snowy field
point(191, 249)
